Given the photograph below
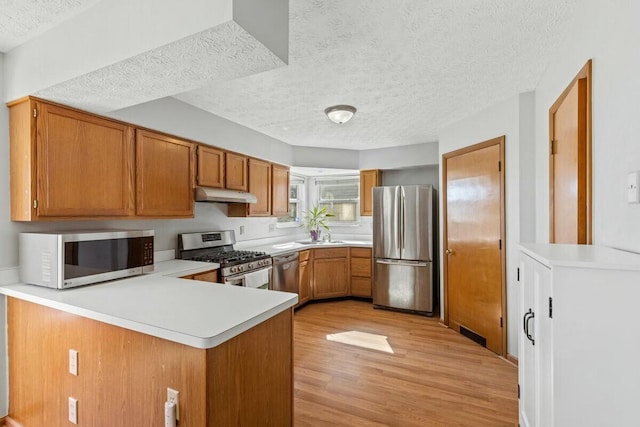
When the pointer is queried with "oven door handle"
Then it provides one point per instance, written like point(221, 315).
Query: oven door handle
point(235, 281)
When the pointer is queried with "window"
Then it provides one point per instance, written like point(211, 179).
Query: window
point(341, 196)
point(297, 186)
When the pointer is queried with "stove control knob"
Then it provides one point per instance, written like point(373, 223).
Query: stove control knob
point(250, 265)
point(233, 269)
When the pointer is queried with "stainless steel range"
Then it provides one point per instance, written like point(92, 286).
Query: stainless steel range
point(240, 268)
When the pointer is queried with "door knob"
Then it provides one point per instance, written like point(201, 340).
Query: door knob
point(449, 251)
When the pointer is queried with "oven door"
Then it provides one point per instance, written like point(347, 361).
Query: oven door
point(259, 279)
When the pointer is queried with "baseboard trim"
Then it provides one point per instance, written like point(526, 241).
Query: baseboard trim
point(511, 358)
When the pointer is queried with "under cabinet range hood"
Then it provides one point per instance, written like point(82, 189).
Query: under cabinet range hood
point(208, 194)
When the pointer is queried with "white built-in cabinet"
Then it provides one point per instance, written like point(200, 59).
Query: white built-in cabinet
point(579, 340)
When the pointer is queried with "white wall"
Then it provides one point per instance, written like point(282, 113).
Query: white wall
point(325, 158)
point(400, 157)
point(178, 118)
point(413, 176)
point(606, 32)
point(505, 118)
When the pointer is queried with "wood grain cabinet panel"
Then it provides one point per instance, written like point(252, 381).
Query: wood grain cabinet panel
point(368, 180)
point(68, 164)
point(260, 186)
point(279, 190)
point(236, 172)
point(330, 274)
point(305, 274)
point(361, 272)
point(207, 276)
point(210, 167)
point(164, 175)
point(123, 375)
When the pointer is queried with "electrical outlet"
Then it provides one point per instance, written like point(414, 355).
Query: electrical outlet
point(73, 410)
point(241, 230)
point(73, 362)
point(173, 396)
point(272, 227)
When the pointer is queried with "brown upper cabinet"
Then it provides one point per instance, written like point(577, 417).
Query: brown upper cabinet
point(368, 180)
point(210, 167)
point(164, 175)
point(269, 183)
point(280, 193)
point(237, 176)
point(260, 186)
point(68, 164)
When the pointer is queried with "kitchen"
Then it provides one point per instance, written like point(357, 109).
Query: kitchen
point(597, 31)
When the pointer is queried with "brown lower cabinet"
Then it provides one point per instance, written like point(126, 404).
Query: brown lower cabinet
point(333, 273)
point(305, 273)
point(330, 272)
point(361, 268)
point(207, 276)
point(123, 375)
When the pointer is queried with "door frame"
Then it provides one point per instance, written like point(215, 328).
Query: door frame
point(503, 253)
point(584, 73)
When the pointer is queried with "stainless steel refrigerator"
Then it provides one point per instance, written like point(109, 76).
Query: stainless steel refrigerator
point(404, 230)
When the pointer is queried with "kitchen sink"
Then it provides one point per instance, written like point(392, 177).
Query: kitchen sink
point(320, 242)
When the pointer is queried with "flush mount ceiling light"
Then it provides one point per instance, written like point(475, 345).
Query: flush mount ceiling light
point(340, 113)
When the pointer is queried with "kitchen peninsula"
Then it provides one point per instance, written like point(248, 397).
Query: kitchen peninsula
point(226, 349)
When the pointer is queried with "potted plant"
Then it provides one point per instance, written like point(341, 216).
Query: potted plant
point(315, 219)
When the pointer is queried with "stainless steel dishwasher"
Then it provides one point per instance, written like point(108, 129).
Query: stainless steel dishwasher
point(285, 272)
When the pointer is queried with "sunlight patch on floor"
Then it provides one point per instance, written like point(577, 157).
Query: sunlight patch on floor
point(362, 339)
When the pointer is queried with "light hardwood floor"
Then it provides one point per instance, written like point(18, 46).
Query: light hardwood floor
point(435, 377)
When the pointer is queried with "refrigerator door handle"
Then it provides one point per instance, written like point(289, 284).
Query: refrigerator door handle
point(402, 222)
point(402, 262)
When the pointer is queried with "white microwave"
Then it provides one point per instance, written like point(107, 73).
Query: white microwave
point(64, 260)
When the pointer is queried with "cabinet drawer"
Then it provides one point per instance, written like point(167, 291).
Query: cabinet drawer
point(361, 252)
point(361, 267)
point(361, 287)
point(304, 255)
point(330, 253)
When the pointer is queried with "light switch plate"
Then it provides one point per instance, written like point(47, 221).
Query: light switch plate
point(73, 362)
point(633, 187)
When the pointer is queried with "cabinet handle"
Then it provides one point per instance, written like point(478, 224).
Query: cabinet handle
point(528, 316)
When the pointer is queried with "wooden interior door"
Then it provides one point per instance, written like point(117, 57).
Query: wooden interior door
point(570, 163)
point(474, 260)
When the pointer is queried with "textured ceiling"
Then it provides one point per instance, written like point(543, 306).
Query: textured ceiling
point(410, 67)
point(21, 20)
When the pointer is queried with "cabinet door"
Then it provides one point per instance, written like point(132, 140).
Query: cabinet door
point(527, 370)
point(164, 174)
point(207, 276)
point(280, 190)
point(368, 180)
point(260, 186)
point(535, 364)
point(84, 165)
point(330, 277)
point(210, 167)
point(304, 284)
point(236, 175)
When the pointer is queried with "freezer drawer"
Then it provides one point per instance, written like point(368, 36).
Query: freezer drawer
point(405, 285)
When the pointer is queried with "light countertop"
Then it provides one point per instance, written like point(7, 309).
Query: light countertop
point(296, 246)
point(194, 313)
point(583, 256)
